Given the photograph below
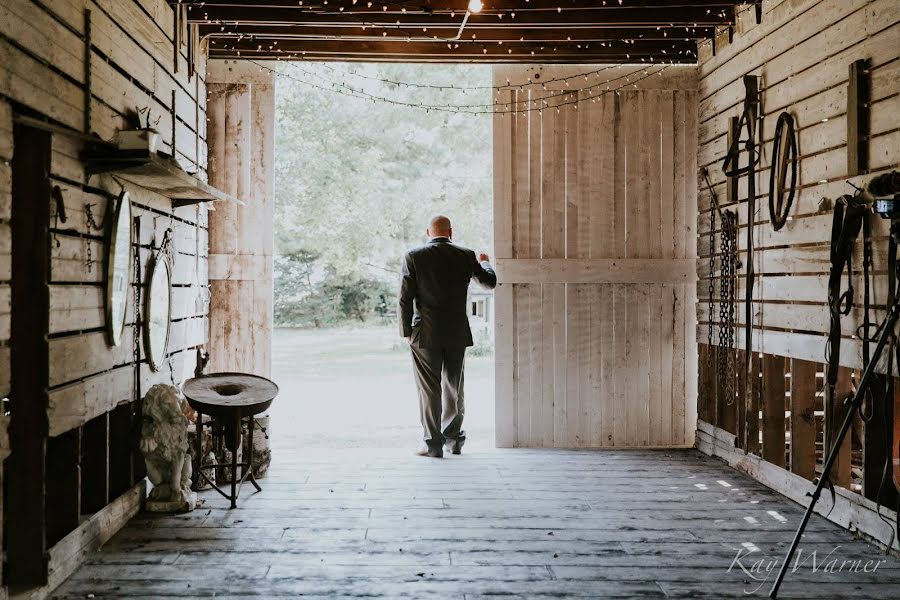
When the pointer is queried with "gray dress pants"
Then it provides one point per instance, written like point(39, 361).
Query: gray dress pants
point(439, 379)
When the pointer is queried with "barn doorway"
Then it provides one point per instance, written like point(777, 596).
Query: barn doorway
point(356, 182)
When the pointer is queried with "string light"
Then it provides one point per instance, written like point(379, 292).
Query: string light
point(464, 107)
point(464, 89)
point(498, 108)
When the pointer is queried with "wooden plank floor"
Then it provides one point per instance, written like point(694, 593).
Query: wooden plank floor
point(512, 523)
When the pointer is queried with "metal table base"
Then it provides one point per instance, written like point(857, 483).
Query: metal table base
point(246, 467)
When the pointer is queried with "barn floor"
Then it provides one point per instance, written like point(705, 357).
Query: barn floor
point(519, 523)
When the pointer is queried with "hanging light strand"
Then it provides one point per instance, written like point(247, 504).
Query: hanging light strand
point(514, 105)
point(537, 104)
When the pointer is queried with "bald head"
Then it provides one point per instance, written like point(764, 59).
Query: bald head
point(439, 227)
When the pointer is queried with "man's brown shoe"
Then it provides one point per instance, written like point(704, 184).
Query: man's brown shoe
point(433, 453)
point(454, 446)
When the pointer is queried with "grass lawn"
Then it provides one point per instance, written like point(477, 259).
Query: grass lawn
point(353, 387)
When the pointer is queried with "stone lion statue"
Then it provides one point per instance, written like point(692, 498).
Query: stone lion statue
point(164, 444)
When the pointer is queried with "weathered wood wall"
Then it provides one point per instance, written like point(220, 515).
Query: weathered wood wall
point(802, 50)
point(134, 53)
point(594, 207)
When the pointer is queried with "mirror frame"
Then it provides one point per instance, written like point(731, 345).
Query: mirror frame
point(160, 261)
point(114, 330)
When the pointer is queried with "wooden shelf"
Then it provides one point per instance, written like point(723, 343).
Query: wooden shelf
point(156, 172)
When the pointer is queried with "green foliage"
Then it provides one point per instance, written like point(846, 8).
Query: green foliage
point(356, 183)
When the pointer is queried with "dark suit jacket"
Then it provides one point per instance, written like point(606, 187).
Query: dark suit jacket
point(433, 293)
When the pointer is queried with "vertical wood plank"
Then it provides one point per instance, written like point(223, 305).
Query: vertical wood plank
point(804, 388)
point(577, 379)
point(834, 417)
point(561, 402)
point(609, 347)
point(505, 141)
point(683, 149)
point(603, 170)
point(658, 382)
point(532, 236)
point(523, 369)
point(623, 341)
point(752, 397)
point(63, 508)
point(633, 207)
point(687, 224)
point(652, 172)
point(95, 464)
point(773, 388)
point(637, 352)
point(682, 318)
point(667, 343)
point(666, 156)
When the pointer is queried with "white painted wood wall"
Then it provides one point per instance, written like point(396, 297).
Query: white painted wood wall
point(594, 211)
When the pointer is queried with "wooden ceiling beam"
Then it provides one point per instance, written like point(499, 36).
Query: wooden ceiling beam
point(459, 6)
point(566, 59)
point(463, 51)
point(437, 34)
point(626, 17)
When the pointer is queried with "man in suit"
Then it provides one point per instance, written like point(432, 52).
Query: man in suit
point(435, 324)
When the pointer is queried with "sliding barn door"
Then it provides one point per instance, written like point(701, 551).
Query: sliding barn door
point(594, 206)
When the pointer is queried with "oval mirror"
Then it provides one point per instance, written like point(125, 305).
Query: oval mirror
point(157, 313)
point(118, 269)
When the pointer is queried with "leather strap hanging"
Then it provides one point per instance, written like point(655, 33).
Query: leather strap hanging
point(782, 155)
point(848, 219)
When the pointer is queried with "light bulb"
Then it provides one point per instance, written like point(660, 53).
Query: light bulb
point(475, 6)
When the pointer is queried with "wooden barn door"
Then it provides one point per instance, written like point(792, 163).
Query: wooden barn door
point(594, 211)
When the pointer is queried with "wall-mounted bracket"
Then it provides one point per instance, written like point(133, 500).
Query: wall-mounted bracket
point(87, 72)
point(858, 118)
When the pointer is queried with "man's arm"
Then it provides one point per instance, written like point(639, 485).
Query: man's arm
point(407, 296)
point(483, 272)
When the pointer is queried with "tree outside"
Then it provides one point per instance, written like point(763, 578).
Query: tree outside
point(356, 182)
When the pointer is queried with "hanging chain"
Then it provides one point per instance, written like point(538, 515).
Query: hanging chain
point(727, 286)
point(136, 319)
point(91, 225)
point(712, 285)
